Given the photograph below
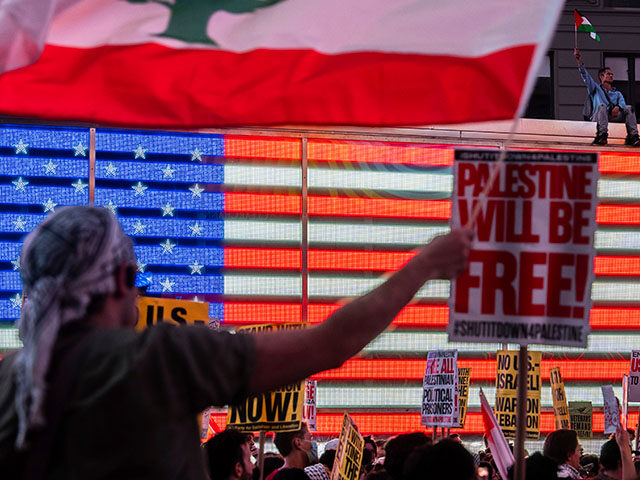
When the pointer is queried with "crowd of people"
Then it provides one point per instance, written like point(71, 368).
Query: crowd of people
point(415, 456)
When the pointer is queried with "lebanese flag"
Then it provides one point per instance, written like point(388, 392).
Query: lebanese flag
point(584, 25)
point(500, 450)
point(202, 63)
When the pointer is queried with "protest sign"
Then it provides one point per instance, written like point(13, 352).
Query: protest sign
point(464, 375)
point(581, 415)
point(440, 389)
point(276, 411)
point(153, 310)
point(634, 377)
point(309, 406)
point(346, 465)
point(560, 410)
point(611, 410)
point(506, 392)
point(530, 270)
point(625, 400)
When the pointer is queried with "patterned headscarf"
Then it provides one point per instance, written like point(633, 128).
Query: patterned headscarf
point(68, 260)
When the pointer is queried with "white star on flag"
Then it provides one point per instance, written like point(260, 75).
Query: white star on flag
point(49, 206)
point(196, 155)
point(110, 170)
point(16, 263)
point(111, 206)
point(16, 300)
point(20, 184)
point(21, 147)
point(196, 229)
point(195, 267)
point(196, 191)
point(79, 186)
point(19, 224)
point(139, 227)
point(167, 210)
point(140, 152)
point(167, 285)
point(141, 266)
point(167, 172)
point(139, 188)
point(79, 150)
point(50, 167)
point(167, 247)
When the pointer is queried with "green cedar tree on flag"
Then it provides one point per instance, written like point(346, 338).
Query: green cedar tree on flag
point(208, 63)
point(584, 25)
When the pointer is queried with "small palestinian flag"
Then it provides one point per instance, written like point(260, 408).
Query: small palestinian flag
point(584, 25)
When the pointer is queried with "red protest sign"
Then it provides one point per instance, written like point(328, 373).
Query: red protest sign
point(530, 273)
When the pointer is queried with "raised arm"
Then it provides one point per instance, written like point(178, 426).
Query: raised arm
point(586, 78)
point(622, 439)
point(288, 356)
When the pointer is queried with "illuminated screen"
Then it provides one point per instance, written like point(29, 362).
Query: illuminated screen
point(218, 218)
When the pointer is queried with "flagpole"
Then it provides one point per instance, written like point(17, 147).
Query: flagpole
point(575, 37)
point(521, 413)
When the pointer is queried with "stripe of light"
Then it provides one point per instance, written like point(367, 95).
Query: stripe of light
point(615, 291)
point(262, 285)
point(256, 175)
point(261, 231)
point(353, 287)
point(338, 233)
point(617, 240)
point(415, 181)
point(619, 189)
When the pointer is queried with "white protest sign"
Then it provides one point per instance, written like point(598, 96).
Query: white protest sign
point(611, 410)
point(440, 389)
point(309, 405)
point(530, 270)
point(634, 377)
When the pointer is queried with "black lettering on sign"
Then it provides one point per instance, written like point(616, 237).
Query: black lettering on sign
point(175, 315)
point(276, 406)
point(351, 469)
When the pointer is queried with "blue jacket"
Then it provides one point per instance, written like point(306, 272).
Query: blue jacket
point(596, 92)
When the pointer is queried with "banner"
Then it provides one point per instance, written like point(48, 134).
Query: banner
point(560, 409)
point(346, 465)
point(581, 414)
point(634, 377)
point(464, 374)
point(153, 310)
point(611, 410)
point(531, 267)
point(276, 411)
point(186, 64)
point(507, 392)
point(309, 407)
point(440, 389)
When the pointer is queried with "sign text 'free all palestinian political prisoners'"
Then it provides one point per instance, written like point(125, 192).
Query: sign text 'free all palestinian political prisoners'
point(507, 392)
point(530, 270)
point(440, 405)
point(276, 411)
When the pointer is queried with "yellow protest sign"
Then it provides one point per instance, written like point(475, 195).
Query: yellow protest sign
point(276, 411)
point(581, 415)
point(560, 409)
point(463, 393)
point(506, 392)
point(153, 310)
point(349, 452)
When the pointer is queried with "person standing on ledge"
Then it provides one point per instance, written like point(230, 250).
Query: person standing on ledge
point(608, 105)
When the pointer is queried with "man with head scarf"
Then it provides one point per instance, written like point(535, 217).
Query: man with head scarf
point(122, 404)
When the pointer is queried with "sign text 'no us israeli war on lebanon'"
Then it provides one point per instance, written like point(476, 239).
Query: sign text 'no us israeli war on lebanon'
point(530, 270)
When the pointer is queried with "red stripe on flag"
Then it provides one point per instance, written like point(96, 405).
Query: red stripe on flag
point(617, 266)
point(407, 369)
point(619, 163)
point(337, 206)
point(379, 152)
point(618, 215)
point(330, 424)
point(240, 146)
point(263, 87)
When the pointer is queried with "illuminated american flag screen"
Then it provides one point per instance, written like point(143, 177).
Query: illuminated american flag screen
point(218, 217)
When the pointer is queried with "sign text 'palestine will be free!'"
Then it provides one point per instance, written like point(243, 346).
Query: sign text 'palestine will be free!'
point(531, 267)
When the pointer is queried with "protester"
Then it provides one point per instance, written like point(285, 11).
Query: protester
point(297, 448)
point(399, 448)
point(539, 467)
point(590, 465)
point(290, 474)
point(444, 460)
point(615, 458)
point(228, 456)
point(322, 469)
point(88, 397)
point(608, 105)
point(369, 454)
point(272, 461)
point(563, 447)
